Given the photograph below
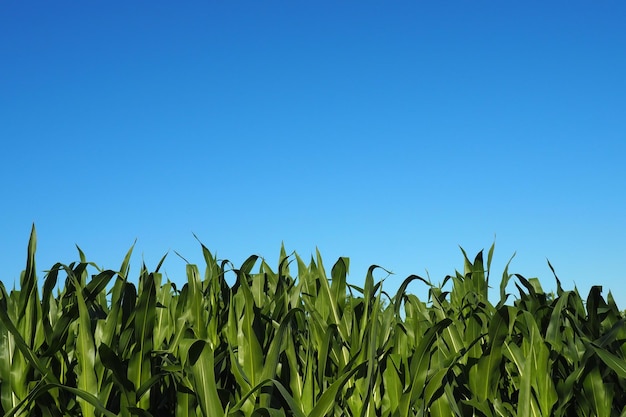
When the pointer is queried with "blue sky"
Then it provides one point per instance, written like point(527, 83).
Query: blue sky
point(388, 132)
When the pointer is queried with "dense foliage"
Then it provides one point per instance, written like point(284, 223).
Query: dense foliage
point(275, 344)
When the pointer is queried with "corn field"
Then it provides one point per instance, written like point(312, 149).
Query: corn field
point(275, 343)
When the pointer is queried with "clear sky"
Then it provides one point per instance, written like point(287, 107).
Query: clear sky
point(388, 132)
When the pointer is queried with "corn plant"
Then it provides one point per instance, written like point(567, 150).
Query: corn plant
point(299, 341)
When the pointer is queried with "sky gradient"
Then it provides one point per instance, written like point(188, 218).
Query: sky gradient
point(391, 133)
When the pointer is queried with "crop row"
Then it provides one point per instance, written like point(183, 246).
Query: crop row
point(276, 343)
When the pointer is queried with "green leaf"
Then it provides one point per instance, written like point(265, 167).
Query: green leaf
point(484, 377)
point(201, 360)
point(420, 365)
point(86, 354)
point(325, 403)
point(597, 393)
point(614, 362)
